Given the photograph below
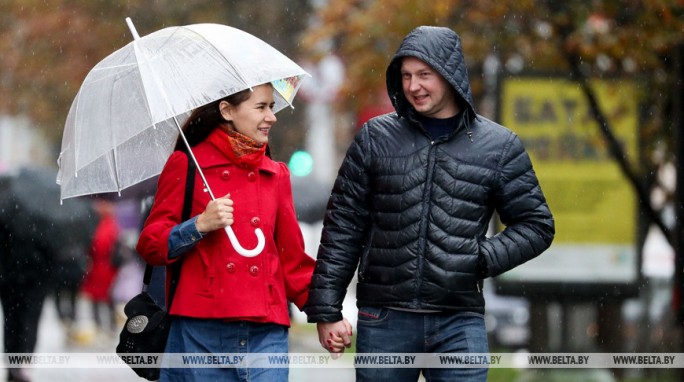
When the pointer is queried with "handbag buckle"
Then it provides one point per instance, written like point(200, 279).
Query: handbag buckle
point(137, 324)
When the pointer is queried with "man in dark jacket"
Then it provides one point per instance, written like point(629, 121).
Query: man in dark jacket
point(411, 207)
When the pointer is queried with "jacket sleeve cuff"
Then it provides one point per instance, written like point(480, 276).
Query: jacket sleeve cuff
point(183, 238)
point(326, 317)
point(300, 301)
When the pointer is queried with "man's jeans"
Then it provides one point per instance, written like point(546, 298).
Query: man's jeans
point(383, 330)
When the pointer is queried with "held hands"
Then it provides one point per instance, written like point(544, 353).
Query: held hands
point(217, 215)
point(335, 336)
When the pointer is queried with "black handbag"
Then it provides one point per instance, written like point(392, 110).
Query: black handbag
point(147, 324)
point(145, 332)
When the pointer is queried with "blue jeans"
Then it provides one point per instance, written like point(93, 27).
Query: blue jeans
point(191, 335)
point(383, 330)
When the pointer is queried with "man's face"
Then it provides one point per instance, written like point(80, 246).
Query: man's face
point(426, 90)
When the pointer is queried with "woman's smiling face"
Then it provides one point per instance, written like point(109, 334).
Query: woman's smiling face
point(253, 117)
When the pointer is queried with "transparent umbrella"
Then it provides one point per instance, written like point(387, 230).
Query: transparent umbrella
point(126, 118)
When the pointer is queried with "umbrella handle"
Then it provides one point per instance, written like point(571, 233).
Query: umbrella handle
point(261, 241)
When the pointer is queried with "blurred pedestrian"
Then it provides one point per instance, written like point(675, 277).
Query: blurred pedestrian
point(411, 206)
point(70, 270)
point(24, 284)
point(37, 236)
point(226, 302)
point(102, 270)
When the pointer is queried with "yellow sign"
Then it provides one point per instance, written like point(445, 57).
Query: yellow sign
point(590, 198)
point(594, 206)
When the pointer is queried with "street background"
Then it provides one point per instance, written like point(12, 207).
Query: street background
point(595, 90)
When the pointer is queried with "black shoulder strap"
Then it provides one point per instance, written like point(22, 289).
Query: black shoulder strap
point(185, 215)
point(189, 188)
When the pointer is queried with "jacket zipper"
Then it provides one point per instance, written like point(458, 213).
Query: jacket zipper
point(424, 221)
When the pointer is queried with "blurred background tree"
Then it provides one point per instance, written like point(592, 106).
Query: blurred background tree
point(49, 47)
point(612, 37)
point(601, 38)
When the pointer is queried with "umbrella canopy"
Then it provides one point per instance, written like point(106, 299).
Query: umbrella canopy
point(124, 122)
point(31, 213)
point(128, 113)
point(30, 205)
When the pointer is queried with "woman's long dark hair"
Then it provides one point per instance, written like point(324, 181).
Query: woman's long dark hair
point(205, 119)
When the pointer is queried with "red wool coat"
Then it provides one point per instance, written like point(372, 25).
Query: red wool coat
point(215, 281)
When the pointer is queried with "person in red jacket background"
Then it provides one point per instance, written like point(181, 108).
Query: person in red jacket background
point(225, 302)
point(101, 271)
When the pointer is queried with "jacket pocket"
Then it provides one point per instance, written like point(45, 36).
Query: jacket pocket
point(274, 298)
point(372, 315)
point(363, 263)
point(207, 288)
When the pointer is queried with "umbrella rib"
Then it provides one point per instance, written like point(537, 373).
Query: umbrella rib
point(113, 167)
point(98, 69)
point(180, 130)
point(77, 108)
point(76, 143)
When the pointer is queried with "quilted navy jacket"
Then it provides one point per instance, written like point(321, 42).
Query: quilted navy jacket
point(411, 213)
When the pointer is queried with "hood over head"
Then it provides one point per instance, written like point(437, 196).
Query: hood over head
point(440, 48)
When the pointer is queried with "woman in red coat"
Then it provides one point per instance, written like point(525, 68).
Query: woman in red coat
point(225, 302)
point(100, 276)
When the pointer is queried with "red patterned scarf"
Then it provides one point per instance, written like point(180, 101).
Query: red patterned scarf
point(245, 150)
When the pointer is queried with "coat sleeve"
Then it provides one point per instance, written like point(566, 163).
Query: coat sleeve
point(297, 265)
point(345, 229)
point(165, 213)
point(523, 210)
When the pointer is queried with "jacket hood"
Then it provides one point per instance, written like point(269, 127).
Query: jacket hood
point(440, 48)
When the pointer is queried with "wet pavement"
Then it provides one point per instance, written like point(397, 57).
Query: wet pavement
point(53, 338)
